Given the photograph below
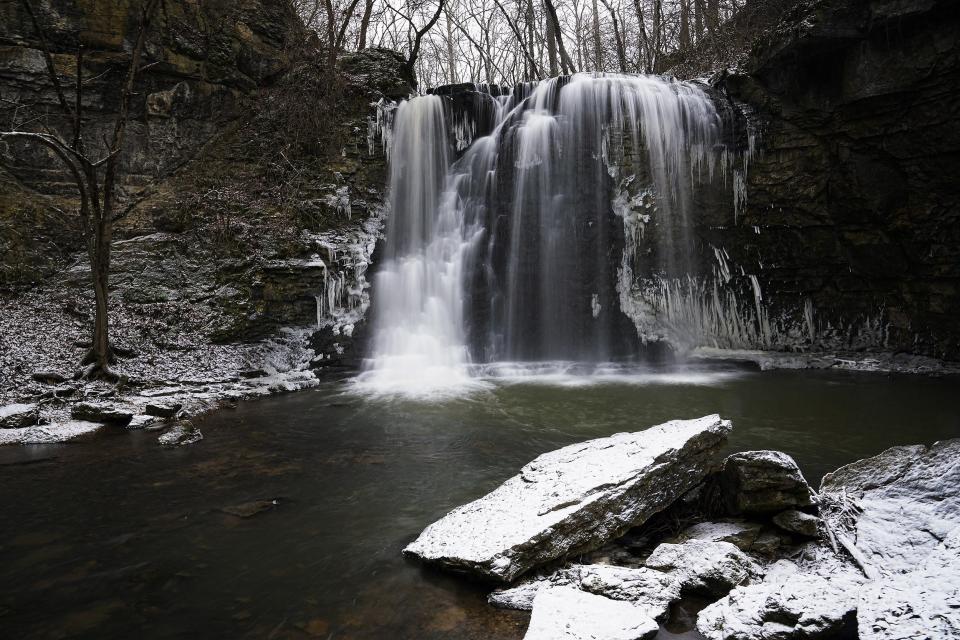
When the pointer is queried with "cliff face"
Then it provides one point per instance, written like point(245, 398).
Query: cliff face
point(253, 198)
point(853, 201)
point(205, 60)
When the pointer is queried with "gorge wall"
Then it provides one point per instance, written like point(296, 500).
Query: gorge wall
point(853, 202)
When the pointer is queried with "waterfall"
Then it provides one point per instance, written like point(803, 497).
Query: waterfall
point(418, 321)
point(516, 250)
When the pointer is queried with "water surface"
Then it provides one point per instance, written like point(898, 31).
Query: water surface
point(114, 537)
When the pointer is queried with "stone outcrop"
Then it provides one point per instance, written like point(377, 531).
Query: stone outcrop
point(181, 434)
point(573, 499)
point(763, 482)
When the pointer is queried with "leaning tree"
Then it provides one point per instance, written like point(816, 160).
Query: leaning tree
point(95, 176)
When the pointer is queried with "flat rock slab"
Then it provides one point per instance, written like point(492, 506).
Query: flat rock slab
point(573, 499)
point(566, 613)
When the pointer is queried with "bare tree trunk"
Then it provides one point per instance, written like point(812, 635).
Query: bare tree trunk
point(657, 32)
point(646, 52)
point(451, 59)
point(551, 45)
point(618, 37)
point(597, 44)
point(564, 56)
point(364, 25)
point(533, 54)
point(713, 15)
point(684, 25)
point(698, 14)
point(418, 37)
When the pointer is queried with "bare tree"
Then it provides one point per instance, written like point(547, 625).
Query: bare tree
point(95, 178)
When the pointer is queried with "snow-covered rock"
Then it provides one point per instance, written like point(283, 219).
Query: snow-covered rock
point(17, 416)
point(705, 567)
point(566, 613)
point(924, 603)
point(162, 409)
point(798, 522)
point(672, 570)
point(101, 412)
point(48, 433)
point(573, 499)
point(763, 482)
point(786, 605)
point(180, 434)
point(892, 510)
point(896, 519)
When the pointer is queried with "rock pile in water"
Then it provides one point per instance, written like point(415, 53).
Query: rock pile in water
point(876, 552)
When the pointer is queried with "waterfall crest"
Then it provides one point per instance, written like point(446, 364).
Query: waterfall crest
point(513, 251)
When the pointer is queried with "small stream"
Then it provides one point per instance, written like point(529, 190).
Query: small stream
point(113, 537)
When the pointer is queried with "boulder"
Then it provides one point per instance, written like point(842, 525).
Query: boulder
point(798, 522)
point(181, 434)
point(763, 482)
point(892, 510)
point(17, 416)
point(101, 412)
point(573, 499)
point(162, 409)
point(566, 613)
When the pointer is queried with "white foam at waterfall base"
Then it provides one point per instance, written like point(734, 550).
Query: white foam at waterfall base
point(581, 374)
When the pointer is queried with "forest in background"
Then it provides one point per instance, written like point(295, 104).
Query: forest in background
point(511, 41)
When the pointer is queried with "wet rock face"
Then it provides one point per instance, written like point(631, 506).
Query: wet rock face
point(573, 499)
point(852, 200)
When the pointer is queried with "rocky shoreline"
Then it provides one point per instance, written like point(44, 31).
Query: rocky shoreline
point(600, 539)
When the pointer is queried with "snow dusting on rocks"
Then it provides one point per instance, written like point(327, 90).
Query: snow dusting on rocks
point(573, 499)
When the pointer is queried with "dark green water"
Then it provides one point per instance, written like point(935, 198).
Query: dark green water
point(114, 537)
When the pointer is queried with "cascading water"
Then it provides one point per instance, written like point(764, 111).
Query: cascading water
point(513, 250)
point(418, 326)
